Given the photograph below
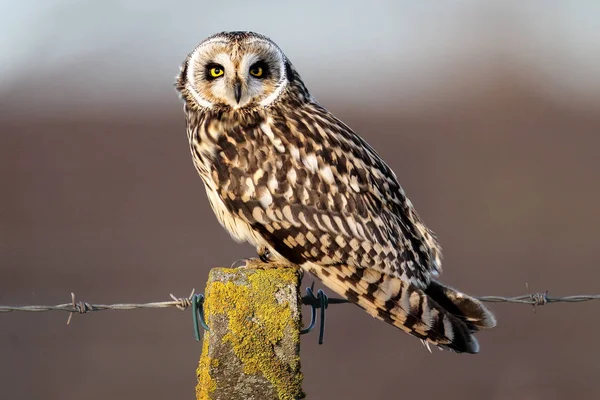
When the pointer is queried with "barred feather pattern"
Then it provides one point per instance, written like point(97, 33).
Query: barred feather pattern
point(294, 179)
point(416, 312)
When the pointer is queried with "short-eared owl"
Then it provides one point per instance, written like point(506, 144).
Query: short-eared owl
point(285, 175)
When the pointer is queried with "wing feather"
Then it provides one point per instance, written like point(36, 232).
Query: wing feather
point(317, 192)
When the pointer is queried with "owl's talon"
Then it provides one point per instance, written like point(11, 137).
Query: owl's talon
point(264, 254)
point(236, 263)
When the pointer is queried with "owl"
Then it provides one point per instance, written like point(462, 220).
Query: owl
point(285, 175)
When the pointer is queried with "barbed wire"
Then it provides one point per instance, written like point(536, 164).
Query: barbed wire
point(81, 307)
point(539, 299)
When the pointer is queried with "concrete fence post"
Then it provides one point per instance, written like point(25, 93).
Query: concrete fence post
point(252, 348)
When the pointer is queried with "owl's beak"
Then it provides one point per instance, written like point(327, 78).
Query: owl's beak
point(237, 90)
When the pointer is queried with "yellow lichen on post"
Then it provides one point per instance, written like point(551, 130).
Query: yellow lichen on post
point(252, 348)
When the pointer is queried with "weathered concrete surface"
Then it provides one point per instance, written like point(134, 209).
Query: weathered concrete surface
point(252, 349)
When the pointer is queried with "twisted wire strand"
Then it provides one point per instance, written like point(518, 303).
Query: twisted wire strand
point(539, 299)
point(82, 307)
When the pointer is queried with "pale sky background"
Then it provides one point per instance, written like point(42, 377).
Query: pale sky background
point(60, 53)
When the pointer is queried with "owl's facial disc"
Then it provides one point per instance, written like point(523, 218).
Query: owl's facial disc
point(238, 82)
point(237, 74)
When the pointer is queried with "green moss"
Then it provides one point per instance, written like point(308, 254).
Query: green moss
point(257, 325)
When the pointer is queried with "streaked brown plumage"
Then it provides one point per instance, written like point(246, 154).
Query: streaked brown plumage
point(284, 174)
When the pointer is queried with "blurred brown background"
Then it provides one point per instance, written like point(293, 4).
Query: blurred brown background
point(488, 112)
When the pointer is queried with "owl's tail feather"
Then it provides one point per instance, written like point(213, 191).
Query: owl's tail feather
point(439, 315)
point(466, 308)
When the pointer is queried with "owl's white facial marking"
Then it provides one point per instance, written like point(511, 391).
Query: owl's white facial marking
point(238, 72)
point(191, 85)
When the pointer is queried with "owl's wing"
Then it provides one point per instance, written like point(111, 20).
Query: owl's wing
point(315, 191)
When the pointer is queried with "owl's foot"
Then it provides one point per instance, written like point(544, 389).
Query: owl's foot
point(257, 263)
point(267, 261)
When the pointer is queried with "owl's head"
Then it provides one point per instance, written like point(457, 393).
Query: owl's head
point(236, 70)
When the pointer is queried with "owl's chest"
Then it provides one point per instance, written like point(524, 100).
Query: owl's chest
point(226, 160)
point(226, 153)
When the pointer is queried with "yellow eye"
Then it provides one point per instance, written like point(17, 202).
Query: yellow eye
point(216, 72)
point(256, 71)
